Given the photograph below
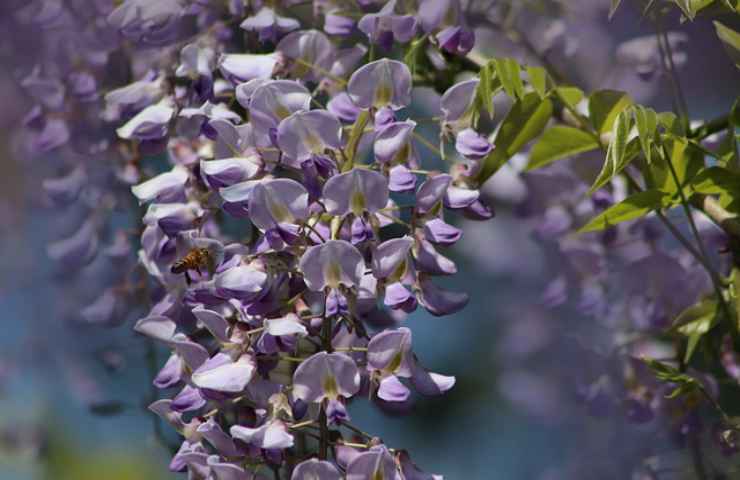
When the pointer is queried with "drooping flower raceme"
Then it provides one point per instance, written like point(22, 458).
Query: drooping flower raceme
point(281, 231)
point(285, 311)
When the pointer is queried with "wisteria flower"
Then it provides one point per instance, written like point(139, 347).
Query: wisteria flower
point(273, 101)
point(152, 23)
point(313, 468)
point(375, 463)
point(223, 374)
point(386, 26)
point(309, 133)
point(382, 83)
point(242, 282)
point(278, 205)
point(332, 264)
point(272, 435)
point(197, 64)
point(168, 186)
point(390, 357)
point(446, 17)
point(228, 171)
point(393, 142)
point(309, 54)
point(357, 191)
point(472, 145)
point(243, 67)
point(150, 124)
point(269, 25)
point(327, 376)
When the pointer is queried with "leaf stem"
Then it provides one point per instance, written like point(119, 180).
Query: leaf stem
point(666, 57)
point(716, 280)
point(323, 421)
point(668, 224)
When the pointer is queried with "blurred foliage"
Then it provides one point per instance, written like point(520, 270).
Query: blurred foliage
point(63, 459)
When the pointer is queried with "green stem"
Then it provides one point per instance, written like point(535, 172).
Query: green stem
point(354, 140)
point(716, 280)
point(666, 58)
point(685, 203)
point(323, 421)
point(669, 225)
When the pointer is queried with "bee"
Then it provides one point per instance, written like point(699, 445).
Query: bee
point(203, 254)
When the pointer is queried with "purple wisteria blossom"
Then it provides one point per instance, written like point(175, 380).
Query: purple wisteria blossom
point(293, 219)
point(383, 83)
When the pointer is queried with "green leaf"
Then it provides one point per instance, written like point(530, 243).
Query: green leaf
point(663, 371)
point(647, 123)
point(731, 40)
point(735, 113)
point(354, 139)
point(670, 374)
point(538, 80)
point(686, 160)
point(716, 181)
point(570, 95)
point(484, 92)
point(630, 208)
point(509, 72)
point(691, 7)
point(670, 122)
point(695, 322)
point(604, 106)
point(525, 121)
point(411, 58)
point(613, 8)
point(732, 5)
point(616, 153)
point(560, 142)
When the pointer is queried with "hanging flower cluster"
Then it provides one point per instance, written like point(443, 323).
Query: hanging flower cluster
point(292, 213)
point(314, 159)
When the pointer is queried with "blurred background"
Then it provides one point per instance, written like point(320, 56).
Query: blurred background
point(73, 389)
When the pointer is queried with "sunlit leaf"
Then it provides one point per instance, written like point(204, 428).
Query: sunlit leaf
point(613, 8)
point(716, 181)
point(509, 73)
point(484, 92)
point(560, 142)
point(731, 40)
point(525, 121)
point(670, 122)
point(633, 207)
point(695, 322)
point(604, 106)
point(538, 80)
point(616, 155)
point(570, 95)
point(646, 121)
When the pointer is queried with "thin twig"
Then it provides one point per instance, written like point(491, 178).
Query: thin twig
point(716, 280)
